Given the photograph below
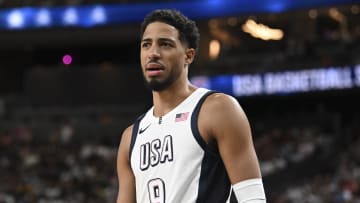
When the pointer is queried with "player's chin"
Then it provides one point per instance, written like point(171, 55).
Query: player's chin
point(157, 85)
point(153, 79)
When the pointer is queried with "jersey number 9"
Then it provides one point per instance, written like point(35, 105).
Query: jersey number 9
point(156, 189)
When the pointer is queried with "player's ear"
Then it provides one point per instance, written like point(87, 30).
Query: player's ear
point(189, 55)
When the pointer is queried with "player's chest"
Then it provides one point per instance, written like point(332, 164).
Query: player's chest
point(165, 145)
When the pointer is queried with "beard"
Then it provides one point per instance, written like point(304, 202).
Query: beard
point(156, 84)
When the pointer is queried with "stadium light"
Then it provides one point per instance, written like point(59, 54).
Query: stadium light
point(70, 16)
point(262, 31)
point(98, 15)
point(43, 18)
point(15, 19)
point(214, 49)
point(67, 59)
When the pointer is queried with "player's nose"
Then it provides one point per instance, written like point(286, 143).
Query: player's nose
point(154, 53)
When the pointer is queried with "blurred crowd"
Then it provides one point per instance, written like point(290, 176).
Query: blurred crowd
point(339, 184)
point(326, 43)
point(72, 159)
point(57, 167)
point(69, 156)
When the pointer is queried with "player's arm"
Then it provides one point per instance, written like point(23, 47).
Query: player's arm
point(226, 123)
point(126, 193)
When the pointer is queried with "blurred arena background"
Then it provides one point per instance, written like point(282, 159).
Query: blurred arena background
point(70, 82)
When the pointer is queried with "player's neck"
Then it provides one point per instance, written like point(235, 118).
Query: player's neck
point(166, 100)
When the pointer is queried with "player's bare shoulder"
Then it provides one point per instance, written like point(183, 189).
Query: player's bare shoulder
point(126, 139)
point(220, 111)
point(127, 132)
point(220, 104)
point(125, 175)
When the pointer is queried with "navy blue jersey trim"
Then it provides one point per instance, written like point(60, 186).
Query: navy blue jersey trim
point(214, 183)
point(195, 127)
point(233, 198)
point(135, 133)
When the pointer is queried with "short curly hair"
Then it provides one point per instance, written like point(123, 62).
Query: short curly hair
point(188, 31)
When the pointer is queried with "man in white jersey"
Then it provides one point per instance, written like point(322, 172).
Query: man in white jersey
point(193, 145)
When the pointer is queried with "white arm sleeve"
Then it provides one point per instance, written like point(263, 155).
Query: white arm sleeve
point(250, 191)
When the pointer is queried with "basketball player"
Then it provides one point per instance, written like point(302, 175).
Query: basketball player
point(193, 145)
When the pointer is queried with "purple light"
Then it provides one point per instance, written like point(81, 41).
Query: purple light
point(67, 59)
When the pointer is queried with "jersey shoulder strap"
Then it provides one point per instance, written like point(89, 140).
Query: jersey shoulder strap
point(134, 133)
point(194, 124)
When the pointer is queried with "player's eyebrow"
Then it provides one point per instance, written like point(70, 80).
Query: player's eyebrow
point(146, 40)
point(166, 40)
point(162, 39)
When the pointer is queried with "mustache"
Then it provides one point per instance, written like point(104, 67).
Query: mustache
point(152, 62)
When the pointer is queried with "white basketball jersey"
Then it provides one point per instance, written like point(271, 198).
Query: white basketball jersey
point(170, 160)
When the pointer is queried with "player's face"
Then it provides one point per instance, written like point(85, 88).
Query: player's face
point(162, 55)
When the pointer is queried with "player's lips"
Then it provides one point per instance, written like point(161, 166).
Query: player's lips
point(154, 68)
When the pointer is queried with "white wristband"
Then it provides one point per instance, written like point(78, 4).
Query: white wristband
point(250, 191)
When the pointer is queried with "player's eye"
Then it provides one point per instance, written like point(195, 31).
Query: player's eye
point(145, 44)
point(166, 44)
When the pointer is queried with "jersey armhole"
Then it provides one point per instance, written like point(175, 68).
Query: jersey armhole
point(195, 128)
point(134, 133)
